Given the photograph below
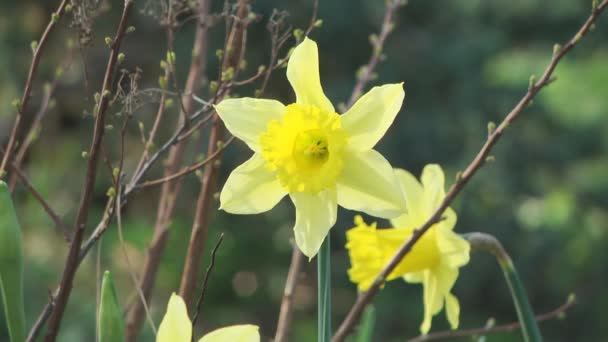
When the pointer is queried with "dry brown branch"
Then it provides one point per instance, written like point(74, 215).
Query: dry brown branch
point(366, 297)
point(72, 261)
point(286, 312)
point(188, 169)
point(170, 190)
point(201, 297)
point(366, 72)
point(25, 97)
point(33, 130)
point(553, 314)
point(235, 50)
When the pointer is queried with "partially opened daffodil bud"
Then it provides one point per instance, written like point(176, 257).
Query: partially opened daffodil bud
point(306, 150)
point(433, 261)
point(111, 322)
point(177, 327)
point(11, 266)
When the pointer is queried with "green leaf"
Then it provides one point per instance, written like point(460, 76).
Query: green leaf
point(111, 324)
point(11, 266)
point(365, 333)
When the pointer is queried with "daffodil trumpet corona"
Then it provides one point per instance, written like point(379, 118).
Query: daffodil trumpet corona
point(309, 152)
point(435, 259)
point(177, 327)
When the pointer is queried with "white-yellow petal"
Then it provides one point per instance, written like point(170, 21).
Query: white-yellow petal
point(368, 184)
point(315, 215)
point(369, 118)
point(452, 310)
point(432, 299)
point(433, 183)
point(247, 118)
point(251, 188)
point(235, 333)
point(303, 75)
point(415, 213)
point(453, 248)
point(176, 325)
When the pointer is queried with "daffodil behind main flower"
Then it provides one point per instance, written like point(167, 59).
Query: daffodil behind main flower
point(176, 327)
point(433, 261)
point(307, 150)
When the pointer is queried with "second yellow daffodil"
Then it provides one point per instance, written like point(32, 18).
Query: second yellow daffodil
point(433, 261)
point(309, 152)
point(176, 327)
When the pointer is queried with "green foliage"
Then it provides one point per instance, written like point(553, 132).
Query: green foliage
point(111, 324)
point(11, 266)
point(365, 331)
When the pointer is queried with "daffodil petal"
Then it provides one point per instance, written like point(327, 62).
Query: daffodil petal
point(235, 333)
point(369, 118)
point(413, 192)
point(315, 215)
point(176, 325)
point(414, 277)
point(303, 75)
point(453, 248)
point(432, 299)
point(368, 184)
point(433, 182)
point(452, 310)
point(247, 118)
point(251, 188)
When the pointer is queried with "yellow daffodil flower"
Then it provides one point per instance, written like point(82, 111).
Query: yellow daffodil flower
point(307, 150)
point(433, 261)
point(176, 327)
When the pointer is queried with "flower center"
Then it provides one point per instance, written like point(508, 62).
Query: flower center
point(310, 149)
point(305, 148)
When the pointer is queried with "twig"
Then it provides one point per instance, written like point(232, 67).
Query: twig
point(364, 298)
point(199, 302)
point(188, 169)
point(42, 318)
point(36, 124)
point(61, 226)
point(72, 262)
point(555, 313)
point(28, 84)
point(367, 71)
point(128, 261)
point(170, 190)
point(235, 50)
point(286, 312)
point(313, 17)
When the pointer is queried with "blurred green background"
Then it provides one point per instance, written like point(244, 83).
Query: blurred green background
point(464, 63)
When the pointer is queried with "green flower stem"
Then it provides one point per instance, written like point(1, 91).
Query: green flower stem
point(324, 291)
point(525, 314)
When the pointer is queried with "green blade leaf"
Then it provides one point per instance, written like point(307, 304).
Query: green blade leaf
point(11, 266)
point(111, 324)
point(365, 332)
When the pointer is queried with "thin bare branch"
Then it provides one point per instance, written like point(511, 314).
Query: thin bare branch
point(556, 313)
point(22, 105)
point(366, 297)
point(366, 72)
point(72, 262)
point(285, 315)
point(231, 60)
point(176, 147)
point(201, 298)
point(188, 169)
